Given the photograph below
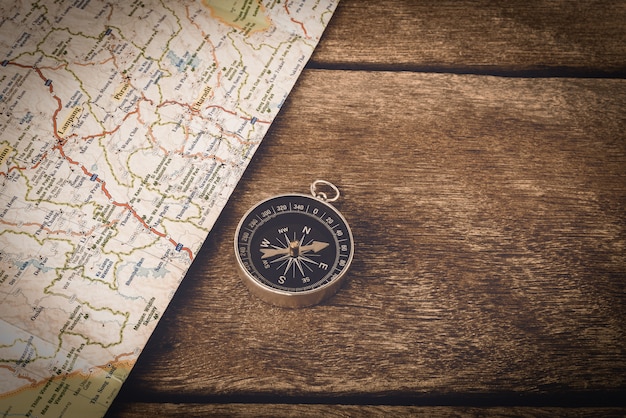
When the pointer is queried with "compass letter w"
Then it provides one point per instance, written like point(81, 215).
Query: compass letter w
point(265, 243)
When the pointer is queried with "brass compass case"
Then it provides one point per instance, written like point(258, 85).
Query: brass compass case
point(294, 250)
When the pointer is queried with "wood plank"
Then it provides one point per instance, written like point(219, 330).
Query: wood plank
point(338, 411)
point(490, 223)
point(529, 37)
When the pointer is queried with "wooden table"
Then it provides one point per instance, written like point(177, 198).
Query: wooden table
point(481, 150)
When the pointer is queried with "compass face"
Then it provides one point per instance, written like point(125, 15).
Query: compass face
point(294, 244)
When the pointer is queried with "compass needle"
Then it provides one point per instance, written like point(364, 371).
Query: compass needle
point(272, 252)
point(316, 247)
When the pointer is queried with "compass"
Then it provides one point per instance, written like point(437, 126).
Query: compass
point(294, 250)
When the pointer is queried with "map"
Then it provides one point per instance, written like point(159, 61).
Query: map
point(124, 128)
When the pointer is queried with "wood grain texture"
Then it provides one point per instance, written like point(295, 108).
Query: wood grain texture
point(489, 217)
point(581, 37)
point(347, 411)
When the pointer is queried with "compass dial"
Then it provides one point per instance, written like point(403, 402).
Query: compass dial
point(293, 250)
